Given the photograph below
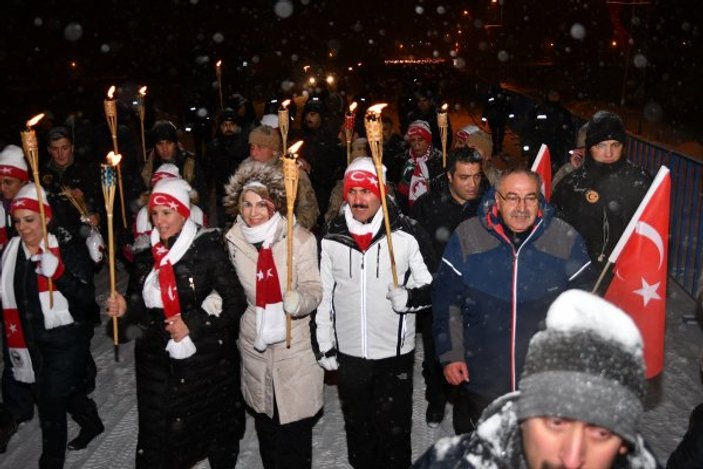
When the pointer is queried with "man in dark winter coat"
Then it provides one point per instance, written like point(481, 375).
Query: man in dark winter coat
point(550, 123)
point(439, 212)
point(426, 110)
point(496, 112)
point(320, 155)
point(229, 148)
point(498, 274)
point(580, 401)
point(164, 136)
point(365, 323)
point(600, 197)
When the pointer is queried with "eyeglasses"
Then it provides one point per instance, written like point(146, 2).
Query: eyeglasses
point(514, 199)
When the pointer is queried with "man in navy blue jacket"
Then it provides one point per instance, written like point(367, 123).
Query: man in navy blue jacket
point(499, 273)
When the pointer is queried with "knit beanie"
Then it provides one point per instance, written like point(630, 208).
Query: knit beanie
point(173, 193)
point(227, 115)
point(362, 173)
point(26, 198)
point(57, 133)
point(587, 365)
point(164, 171)
point(605, 125)
point(474, 137)
point(266, 136)
point(419, 128)
point(13, 164)
point(164, 130)
point(270, 120)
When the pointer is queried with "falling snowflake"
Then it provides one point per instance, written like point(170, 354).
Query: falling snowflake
point(38, 21)
point(441, 10)
point(73, 32)
point(105, 48)
point(283, 8)
point(640, 61)
point(218, 37)
point(578, 31)
point(419, 10)
point(503, 56)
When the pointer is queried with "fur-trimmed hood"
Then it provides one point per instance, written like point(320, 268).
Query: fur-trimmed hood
point(268, 174)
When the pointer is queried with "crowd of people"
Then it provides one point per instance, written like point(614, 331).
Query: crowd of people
point(235, 306)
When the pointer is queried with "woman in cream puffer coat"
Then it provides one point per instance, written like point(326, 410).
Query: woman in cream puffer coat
point(283, 386)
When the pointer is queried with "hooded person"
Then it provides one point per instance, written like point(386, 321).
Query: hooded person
point(282, 384)
point(49, 311)
point(579, 403)
point(600, 197)
point(185, 304)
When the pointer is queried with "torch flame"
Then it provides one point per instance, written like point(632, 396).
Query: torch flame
point(292, 150)
point(285, 104)
point(376, 108)
point(142, 91)
point(34, 120)
point(114, 158)
point(218, 64)
point(444, 107)
point(352, 107)
point(111, 92)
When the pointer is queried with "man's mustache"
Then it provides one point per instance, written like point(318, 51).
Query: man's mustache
point(360, 206)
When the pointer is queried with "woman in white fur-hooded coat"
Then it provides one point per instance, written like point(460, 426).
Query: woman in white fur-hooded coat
point(283, 386)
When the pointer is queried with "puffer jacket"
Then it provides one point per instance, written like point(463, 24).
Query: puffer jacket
point(355, 318)
point(186, 407)
point(490, 297)
point(290, 376)
point(497, 444)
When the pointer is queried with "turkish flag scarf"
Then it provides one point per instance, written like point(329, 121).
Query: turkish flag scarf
point(55, 316)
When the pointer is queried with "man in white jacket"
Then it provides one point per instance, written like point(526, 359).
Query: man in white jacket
point(365, 325)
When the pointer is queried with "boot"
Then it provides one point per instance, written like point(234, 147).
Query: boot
point(91, 426)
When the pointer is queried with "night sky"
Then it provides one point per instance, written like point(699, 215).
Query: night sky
point(63, 55)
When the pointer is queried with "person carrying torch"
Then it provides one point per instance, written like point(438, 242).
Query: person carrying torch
point(366, 321)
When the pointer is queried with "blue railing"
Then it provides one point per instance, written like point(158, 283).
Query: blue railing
point(686, 228)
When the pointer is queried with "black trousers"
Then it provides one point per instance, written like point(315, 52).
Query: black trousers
point(52, 418)
point(468, 407)
point(497, 134)
point(16, 396)
point(376, 398)
point(436, 387)
point(284, 446)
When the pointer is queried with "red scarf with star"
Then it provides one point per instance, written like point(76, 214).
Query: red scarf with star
point(167, 281)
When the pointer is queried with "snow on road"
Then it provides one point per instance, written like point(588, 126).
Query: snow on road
point(670, 400)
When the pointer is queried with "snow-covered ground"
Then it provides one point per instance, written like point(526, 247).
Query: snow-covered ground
point(670, 400)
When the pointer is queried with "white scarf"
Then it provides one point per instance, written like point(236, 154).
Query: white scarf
point(55, 316)
point(358, 228)
point(151, 292)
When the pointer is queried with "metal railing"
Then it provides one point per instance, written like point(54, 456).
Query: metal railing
point(686, 222)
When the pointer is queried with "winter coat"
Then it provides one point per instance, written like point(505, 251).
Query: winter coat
point(497, 444)
point(439, 213)
point(490, 298)
point(327, 161)
point(599, 200)
point(224, 153)
point(355, 317)
point(187, 405)
point(60, 356)
point(689, 452)
point(290, 376)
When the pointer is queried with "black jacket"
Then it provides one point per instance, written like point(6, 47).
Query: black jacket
point(60, 356)
point(185, 406)
point(599, 201)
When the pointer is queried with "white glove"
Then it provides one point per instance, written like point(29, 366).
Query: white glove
point(47, 264)
point(212, 304)
point(96, 245)
point(398, 297)
point(328, 363)
point(291, 302)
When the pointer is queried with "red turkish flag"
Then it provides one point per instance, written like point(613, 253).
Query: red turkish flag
point(640, 270)
point(543, 167)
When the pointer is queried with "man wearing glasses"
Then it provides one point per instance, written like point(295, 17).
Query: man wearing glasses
point(498, 275)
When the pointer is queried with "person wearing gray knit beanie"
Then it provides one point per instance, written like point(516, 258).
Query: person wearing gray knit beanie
point(579, 402)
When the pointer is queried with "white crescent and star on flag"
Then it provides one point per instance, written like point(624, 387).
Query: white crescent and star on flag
point(648, 291)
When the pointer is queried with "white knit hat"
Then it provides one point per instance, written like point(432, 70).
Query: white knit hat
point(26, 198)
point(166, 170)
point(13, 164)
point(271, 120)
point(173, 193)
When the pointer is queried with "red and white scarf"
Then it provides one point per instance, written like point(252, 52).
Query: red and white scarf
point(362, 233)
point(160, 289)
point(270, 317)
point(54, 317)
point(415, 179)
